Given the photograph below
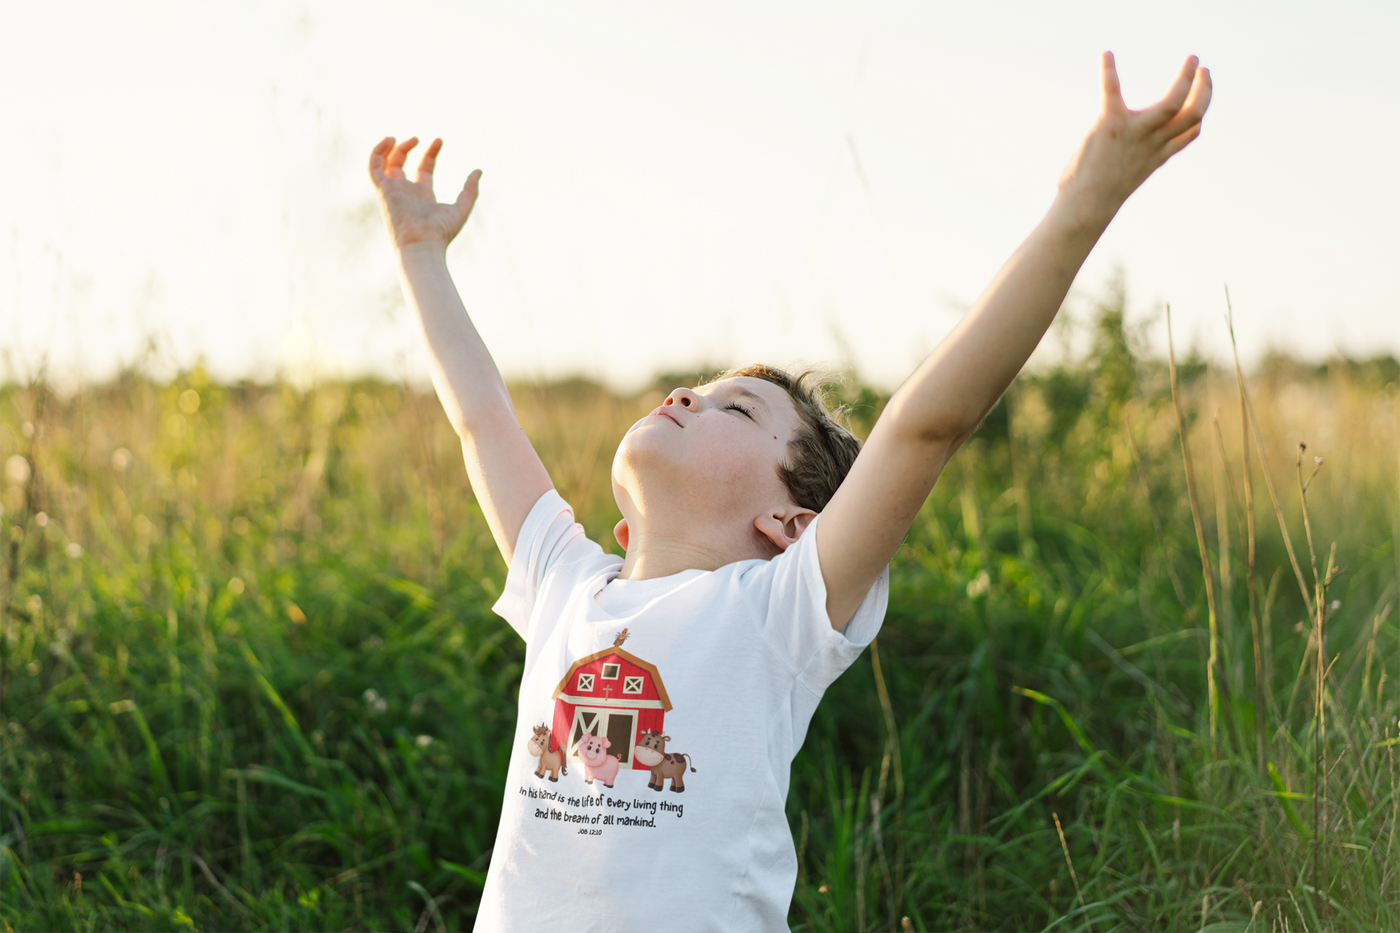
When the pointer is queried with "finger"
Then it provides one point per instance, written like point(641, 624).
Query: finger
point(429, 160)
point(466, 200)
point(1199, 101)
point(377, 158)
point(399, 154)
point(1161, 112)
point(1181, 141)
point(1194, 110)
point(1112, 91)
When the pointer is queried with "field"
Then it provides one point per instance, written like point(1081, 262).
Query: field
point(251, 680)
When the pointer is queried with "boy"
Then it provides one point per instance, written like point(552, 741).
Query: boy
point(664, 695)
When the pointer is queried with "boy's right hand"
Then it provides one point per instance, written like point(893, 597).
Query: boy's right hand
point(505, 472)
point(411, 210)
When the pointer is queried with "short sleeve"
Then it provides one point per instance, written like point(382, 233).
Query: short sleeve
point(790, 595)
point(550, 544)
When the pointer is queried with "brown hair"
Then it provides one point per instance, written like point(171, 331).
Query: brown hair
point(821, 450)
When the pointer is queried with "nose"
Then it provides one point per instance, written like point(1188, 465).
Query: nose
point(684, 398)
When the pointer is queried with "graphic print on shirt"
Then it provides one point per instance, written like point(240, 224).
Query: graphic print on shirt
point(541, 745)
point(598, 765)
point(651, 751)
point(609, 715)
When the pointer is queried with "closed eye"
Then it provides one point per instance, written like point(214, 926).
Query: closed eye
point(739, 408)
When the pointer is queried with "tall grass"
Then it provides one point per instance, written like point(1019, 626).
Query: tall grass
point(251, 679)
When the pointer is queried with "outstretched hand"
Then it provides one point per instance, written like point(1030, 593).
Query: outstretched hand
point(1126, 146)
point(411, 210)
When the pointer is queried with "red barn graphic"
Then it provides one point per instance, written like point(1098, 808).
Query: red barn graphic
point(611, 694)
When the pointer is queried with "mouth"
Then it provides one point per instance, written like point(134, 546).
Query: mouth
point(662, 413)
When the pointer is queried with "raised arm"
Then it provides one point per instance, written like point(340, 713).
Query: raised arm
point(505, 472)
point(942, 403)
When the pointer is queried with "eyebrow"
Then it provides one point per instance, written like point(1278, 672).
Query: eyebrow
point(749, 393)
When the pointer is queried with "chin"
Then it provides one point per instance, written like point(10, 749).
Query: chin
point(644, 449)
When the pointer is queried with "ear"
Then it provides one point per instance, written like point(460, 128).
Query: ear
point(785, 527)
point(621, 533)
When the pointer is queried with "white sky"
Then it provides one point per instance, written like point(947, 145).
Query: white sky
point(668, 184)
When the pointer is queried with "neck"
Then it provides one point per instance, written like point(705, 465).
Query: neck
point(649, 559)
point(653, 553)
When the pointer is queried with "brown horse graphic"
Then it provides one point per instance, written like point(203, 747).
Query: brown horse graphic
point(551, 760)
point(651, 751)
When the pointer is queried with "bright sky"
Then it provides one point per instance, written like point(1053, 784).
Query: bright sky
point(670, 184)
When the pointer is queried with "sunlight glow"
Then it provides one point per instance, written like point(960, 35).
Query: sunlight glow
point(668, 188)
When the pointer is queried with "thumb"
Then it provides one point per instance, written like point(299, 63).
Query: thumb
point(1112, 91)
point(466, 200)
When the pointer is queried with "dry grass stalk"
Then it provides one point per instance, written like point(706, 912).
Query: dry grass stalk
point(1264, 462)
point(1320, 584)
point(884, 861)
point(890, 761)
point(892, 730)
point(1224, 501)
point(1221, 474)
point(1212, 662)
point(1074, 876)
point(1266, 618)
point(1255, 628)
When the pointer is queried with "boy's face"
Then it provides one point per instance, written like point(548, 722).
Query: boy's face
point(711, 453)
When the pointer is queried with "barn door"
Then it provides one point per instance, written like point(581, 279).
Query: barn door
point(617, 726)
point(622, 727)
point(586, 722)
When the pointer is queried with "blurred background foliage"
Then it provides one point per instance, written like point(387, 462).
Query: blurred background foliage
point(251, 680)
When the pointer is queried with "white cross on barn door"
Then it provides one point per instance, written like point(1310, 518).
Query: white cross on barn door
point(618, 726)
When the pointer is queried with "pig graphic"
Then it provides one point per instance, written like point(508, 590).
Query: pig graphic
point(596, 762)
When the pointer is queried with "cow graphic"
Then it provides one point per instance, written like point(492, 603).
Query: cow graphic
point(651, 751)
point(597, 763)
point(551, 759)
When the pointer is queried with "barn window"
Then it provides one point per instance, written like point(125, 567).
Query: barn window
point(585, 681)
point(610, 671)
point(631, 685)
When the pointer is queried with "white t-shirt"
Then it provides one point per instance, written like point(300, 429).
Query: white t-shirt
point(689, 695)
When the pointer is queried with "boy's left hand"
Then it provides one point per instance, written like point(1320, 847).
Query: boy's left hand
point(411, 210)
point(941, 404)
point(1125, 146)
